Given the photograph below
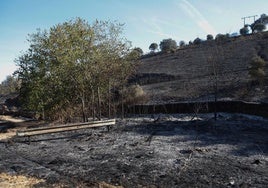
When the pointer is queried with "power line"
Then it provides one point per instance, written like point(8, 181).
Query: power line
point(244, 18)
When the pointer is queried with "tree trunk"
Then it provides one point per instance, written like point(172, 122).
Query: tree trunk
point(109, 100)
point(99, 103)
point(83, 107)
point(43, 111)
point(122, 105)
point(93, 105)
point(215, 98)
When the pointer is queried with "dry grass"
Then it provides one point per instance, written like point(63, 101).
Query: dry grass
point(12, 124)
point(12, 119)
point(20, 181)
point(5, 136)
point(17, 181)
point(106, 185)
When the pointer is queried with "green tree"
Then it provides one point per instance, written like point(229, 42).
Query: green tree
point(153, 47)
point(258, 27)
point(244, 30)
point(10, 85)
point(260, 24)
point(209, 37)
point(221, 37)
point(73, 66)
point(197, 41)
point(137, 52)
point(167, 45)
point(182, 43)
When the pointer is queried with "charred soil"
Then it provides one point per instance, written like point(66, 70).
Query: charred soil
point(179, 150)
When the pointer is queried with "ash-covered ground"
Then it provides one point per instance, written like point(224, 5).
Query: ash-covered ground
point(178, 150)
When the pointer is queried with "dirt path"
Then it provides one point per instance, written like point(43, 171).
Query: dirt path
point(169, 151)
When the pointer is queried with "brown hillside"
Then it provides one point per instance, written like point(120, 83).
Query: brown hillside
point(188, 73)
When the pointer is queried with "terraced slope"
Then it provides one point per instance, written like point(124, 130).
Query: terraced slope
point(191, 73)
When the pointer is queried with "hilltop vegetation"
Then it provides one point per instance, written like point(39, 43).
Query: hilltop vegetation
point(168, 45)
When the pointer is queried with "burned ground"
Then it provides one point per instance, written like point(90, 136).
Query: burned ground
point(150, 151)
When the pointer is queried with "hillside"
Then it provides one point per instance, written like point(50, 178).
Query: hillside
point(188, 73)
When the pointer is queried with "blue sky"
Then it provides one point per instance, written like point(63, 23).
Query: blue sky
point(146, 21)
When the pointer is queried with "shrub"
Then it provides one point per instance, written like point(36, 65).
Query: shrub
point(153, 47)
point(167, 45)
point(197, 41)
point(244, 31)
point(209, 37)
point(256, 70)
point(222, 37)
point(134, 94)
point(182, 43)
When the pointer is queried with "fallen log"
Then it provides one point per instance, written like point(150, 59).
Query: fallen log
point(63, 128)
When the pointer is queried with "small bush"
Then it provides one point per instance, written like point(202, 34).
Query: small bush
point(197, 41)
point(210, 37)
point(257, 62)
point(256, 70)
point(134, 94)
point(257, 73)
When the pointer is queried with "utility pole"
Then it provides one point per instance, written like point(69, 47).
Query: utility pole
point(244, 18)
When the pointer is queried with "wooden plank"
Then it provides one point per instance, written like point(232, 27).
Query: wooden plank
point(63, 128)
point(71, 125)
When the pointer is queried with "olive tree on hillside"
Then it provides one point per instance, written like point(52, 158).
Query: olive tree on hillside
point(167, 45)
point(182, 43)
point(209, 37)
point(136, 53)
point(73, 66)
point(259, 27)
point(244, 30)
point(222, 37)
point(260, 24)
point(153, 47)
point(197, 41)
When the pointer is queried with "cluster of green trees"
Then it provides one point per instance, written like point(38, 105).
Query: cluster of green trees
point(169, 45)
point(74, 69)
point(10, 85)
point(258, 25)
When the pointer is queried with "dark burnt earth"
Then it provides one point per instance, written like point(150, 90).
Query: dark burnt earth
point(150, 151)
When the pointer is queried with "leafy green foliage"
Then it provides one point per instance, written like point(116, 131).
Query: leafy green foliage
point(197, 41)
point(222, 37)
point(209, 37)
point(65, 68)
point(167, 45)
point(153, 47)
point(244, 30)
point(137, 52)
point(10, 85)
point(182, 43)
point(259, 27)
